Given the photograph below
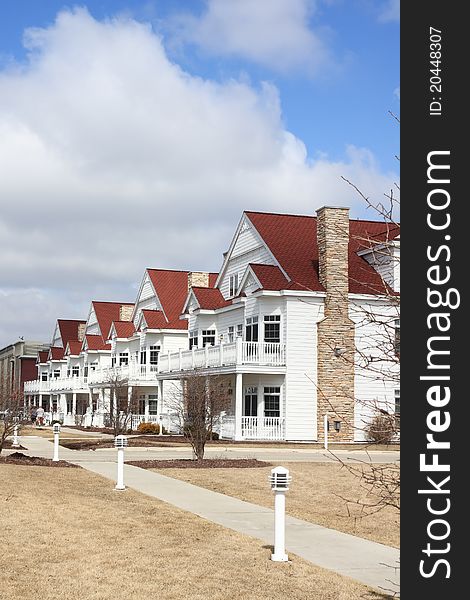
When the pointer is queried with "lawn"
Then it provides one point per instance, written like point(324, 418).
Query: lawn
point(67, 534)
point(317, 494)
point(46, 432)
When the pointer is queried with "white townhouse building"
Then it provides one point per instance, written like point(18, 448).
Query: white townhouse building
point(302, 319)
point(298, 319)
point(118, 342)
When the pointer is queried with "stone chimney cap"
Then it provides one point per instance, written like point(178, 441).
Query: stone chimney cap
point(332, 207)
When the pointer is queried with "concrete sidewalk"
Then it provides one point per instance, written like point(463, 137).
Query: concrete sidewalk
point(370, 563)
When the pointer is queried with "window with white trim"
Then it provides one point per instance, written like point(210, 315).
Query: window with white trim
point(123, 358)
point(396, 342)
point(154, 352)
point(397, 408)
point(208, 337)
point(231, 334)
point(143, 356)
point(272, 328)
point(44, 376)
point(251, 329)
point(233, 284)
point(272, 401)
point(75, 371)
point(56, 373)
point(153, 404)
point(240, 330)
point(193, 339)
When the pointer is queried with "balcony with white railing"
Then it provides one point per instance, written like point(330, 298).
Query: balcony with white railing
point(133, 373)
point(267, 354)
point(37, 387)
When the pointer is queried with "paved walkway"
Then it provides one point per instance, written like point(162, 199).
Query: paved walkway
point(370, 563)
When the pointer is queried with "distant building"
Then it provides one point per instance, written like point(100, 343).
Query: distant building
point(18, 364)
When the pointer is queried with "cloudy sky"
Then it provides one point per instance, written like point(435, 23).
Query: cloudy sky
point(133, 134)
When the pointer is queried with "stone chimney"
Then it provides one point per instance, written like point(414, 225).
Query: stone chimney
point(125, 312)
point(198, 279)
point(336, 348)
point(81, 331)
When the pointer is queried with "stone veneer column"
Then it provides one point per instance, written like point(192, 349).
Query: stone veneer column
point(336, 331)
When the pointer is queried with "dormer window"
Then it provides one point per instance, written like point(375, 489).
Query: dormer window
point(233, 284)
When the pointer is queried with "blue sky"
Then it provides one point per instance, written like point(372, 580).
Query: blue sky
point(347, 104)
point(133, 134)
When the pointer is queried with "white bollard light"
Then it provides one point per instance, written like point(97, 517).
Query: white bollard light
point(56, 430)
point(15, 443)
point(279, 480)
point(120, 442)
point(161, 424)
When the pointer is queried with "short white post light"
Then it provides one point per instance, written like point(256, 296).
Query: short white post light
point(15, 443)
point(120, 442)
point(279, 480)
point(56, 430)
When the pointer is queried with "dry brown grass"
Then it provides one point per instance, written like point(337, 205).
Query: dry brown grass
point(46, 432)
point(316, 495)
point(69, 535)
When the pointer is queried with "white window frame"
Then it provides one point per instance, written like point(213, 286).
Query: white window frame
point(233, 284)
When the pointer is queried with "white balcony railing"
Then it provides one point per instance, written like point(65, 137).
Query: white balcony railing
point(37, 386)
point(236, 353)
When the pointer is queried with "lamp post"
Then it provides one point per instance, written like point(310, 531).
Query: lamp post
point(120, 442)
point(279, 480)
point(56, 430)
point(15, 443)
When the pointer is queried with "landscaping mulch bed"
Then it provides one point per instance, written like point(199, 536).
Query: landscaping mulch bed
point(95, 444)
point(18, 458)
point(182, 463)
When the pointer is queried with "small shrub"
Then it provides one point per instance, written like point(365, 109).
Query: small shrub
point(150, 428)
point(382, 429)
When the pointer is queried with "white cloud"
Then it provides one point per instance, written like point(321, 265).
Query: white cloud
point(113, 159)
point(390, 11)
point(273, 33)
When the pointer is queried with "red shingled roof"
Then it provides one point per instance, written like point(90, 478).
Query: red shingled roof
point(155, 319)
point(172, 290)
point(95, 342)
point(106, 313)
point(69, 329)
point(43, 356)
point(270, 276)
point(74, 347)
point(56, 353)
point(210, 298)
point(124, 329)
point(293, 241)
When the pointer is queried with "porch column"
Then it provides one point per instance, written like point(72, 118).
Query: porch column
point(62, 404)
point(74, 404)
point(146, 408)
point(40, 400)
point(238, 406)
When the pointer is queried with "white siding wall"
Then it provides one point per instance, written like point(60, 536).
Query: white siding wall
point(247, 249)
point(373, 390)
point(56, 338)
point(387, 264)
point(301, 377)
point(146, 300)
point(228, 319)
point(92, 327)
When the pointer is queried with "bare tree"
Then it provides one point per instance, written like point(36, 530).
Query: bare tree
point(196, 406)
point(123, 403)
point(11, 411)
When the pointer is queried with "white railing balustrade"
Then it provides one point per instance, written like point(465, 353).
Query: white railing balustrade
point(263, 428)
point(239, 352)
